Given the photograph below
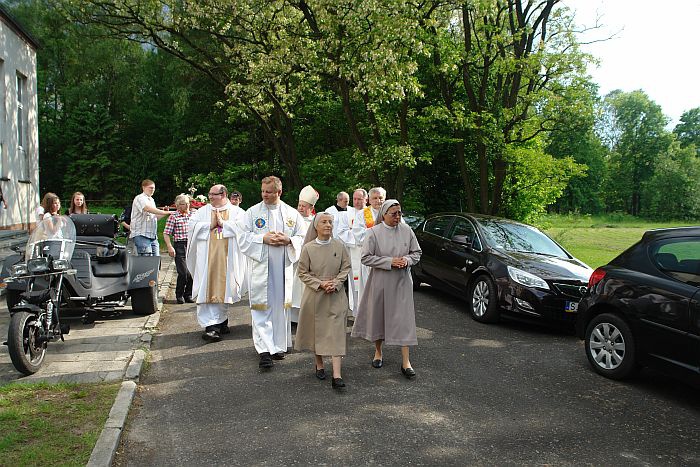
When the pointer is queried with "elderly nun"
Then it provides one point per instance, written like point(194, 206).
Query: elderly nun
point(323, 266)
point(386, 314)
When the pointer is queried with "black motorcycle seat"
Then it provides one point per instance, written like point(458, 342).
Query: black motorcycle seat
point(115, 268)
point(81, 262)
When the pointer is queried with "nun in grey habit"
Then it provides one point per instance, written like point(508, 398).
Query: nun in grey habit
point(386, 314)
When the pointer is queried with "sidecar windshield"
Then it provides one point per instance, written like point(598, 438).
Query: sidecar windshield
point(53, 236)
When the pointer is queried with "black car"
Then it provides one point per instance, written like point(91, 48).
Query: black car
point(643, 307)
point(501, 267)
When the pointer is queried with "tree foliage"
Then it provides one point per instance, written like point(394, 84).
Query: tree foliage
point(481, 105)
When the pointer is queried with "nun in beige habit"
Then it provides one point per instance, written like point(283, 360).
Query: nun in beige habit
point(323, 266)
point(386, 314)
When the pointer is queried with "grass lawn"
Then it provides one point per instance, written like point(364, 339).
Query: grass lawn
point(52, 424)
point(596, 240)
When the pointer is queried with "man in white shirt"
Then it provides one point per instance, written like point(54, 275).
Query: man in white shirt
point(144, 221)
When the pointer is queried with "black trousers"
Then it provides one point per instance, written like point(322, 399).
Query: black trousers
point(183, 288)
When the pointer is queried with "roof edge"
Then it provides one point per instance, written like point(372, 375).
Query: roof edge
point(18, 28)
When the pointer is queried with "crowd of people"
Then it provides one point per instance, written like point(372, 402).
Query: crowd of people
point(300, 269)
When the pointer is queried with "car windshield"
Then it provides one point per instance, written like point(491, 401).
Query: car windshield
point(520, 238)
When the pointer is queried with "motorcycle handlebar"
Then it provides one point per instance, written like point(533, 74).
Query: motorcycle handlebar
point(109, 245)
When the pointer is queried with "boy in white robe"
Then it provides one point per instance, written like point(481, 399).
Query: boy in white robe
point(215, 261)
point(271, 235)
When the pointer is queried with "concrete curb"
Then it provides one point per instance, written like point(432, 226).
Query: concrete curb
point(106, 447)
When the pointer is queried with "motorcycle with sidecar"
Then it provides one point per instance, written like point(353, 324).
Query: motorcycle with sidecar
point(71, 266)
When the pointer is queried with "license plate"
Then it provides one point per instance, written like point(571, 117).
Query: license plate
point(571, 307)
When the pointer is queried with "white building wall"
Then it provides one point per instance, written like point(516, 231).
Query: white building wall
point(17, 55)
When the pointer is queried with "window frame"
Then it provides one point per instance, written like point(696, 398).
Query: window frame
point(476, 232)
point(447, 229)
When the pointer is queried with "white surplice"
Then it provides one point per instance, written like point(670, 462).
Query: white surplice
point(198, 233)
point(342, 230)
point(271, 272)
point(359, 231)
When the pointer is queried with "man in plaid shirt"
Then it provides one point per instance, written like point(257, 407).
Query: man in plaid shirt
point(176, 226)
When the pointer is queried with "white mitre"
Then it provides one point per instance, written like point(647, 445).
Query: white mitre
point(309, 195)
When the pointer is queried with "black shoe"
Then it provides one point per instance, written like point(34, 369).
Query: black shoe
point(211, 336)
point(377, 363)
point(278, 356)
point(223, 328)
point(180, 300)
point(408, 372)
point(265, 360)
point(320, 373)
point(338, 383)
point(189, 300)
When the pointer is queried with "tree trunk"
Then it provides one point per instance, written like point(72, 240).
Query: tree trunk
point(483, 176)
point(468, 187)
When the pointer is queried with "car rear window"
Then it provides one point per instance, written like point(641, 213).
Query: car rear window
point(678, 258)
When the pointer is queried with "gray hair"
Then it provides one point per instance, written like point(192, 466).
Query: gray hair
point(182, 197)
point(341, 195)
point(377, 189)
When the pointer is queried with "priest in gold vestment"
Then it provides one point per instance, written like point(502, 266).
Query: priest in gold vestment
point(215, 261)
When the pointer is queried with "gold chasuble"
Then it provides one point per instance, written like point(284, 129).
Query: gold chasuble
point(217, 261)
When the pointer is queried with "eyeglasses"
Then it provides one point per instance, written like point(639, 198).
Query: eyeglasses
point(215, 194)
point(394, 214)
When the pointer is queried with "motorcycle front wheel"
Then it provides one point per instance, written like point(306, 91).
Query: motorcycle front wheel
point(26, 351)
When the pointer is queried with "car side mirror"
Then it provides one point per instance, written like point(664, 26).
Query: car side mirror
point(462, 240)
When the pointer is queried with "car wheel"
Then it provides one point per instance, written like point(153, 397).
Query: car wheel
point(610, 346)
point(415, 279)
point(483, 300)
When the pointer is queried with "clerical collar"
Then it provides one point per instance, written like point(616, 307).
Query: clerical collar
point(322, 242)
point(340, 209)
point(272, 206)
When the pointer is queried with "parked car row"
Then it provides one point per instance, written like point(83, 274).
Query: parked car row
point(642, 308)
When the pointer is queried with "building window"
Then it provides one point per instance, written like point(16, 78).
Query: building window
point(22, 152)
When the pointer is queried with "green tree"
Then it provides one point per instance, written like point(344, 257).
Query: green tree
point(688, 130)
point(536, 180)
point(574, 137)
point(673, 191)
point(637, 137)
point(90, 152)
point(503, 68)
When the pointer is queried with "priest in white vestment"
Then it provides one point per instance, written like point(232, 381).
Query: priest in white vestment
point(364, 220)
point(215, 261)
point(271, 235)
point(307, 200)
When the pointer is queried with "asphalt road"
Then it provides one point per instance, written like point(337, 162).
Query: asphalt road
point(485, 394)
